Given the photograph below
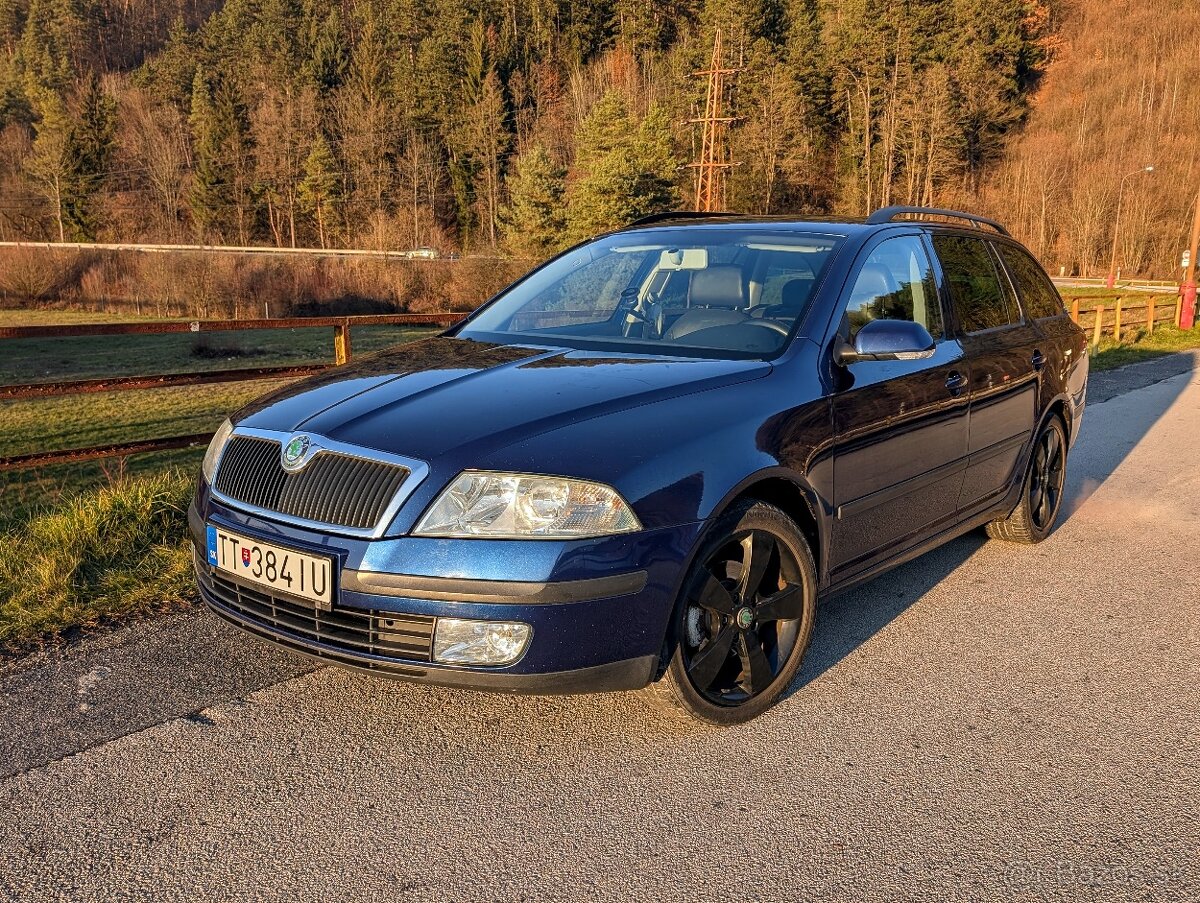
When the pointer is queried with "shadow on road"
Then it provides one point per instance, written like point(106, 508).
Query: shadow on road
point(850, 619)
point(1110, 431)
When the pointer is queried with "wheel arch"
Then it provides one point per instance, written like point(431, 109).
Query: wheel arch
point(1058, 407)
point(787, 492)
point(775, 486)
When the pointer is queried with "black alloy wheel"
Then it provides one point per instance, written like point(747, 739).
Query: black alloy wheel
point(1042, 493)
point(1046, 477)
point(745, 618)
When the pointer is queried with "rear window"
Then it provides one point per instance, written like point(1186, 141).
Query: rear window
point(1037, 293)
point(974, 284)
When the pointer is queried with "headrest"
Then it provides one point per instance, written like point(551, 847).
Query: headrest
point(794, 294)
point(716, 287)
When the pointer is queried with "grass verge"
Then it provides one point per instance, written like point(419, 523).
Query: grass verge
point(1144, 346)
point(83, 357)
point(107, 553)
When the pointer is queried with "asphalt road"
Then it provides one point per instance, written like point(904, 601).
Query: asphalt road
point(987, 722)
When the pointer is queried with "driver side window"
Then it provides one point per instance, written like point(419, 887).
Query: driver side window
point(588, 295)
point(895, 283)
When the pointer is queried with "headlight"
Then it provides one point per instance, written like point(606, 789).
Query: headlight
point(220, 437)
point(519, 506)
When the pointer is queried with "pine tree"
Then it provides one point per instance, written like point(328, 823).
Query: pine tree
point(171, 74)
point(46, 46)
point(222, 196)
point(89, 147)
point(626, 170)
point(12, 15)
point(327, 60)
point(487, 140)
point(318, 189)
point(645, 26)
point(535, 218)
point(210, 197)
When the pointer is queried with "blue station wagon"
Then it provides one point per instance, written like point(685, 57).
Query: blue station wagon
point(647, 461)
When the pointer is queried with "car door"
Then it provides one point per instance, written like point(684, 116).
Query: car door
point(1003, 349)
point(900, 427)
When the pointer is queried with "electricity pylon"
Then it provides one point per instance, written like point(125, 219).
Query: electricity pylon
point(714, 150)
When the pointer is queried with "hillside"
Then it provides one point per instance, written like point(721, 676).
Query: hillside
point(477, 123)
point(520, 125)
point(1122, 93)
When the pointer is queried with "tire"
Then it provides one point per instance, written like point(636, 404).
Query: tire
point(738, 635)
point(1041, 491)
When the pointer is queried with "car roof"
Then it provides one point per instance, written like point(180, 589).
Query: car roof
point(841, 225)
point(880, 219)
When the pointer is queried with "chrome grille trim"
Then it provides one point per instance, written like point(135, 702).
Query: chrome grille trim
point(317, 496)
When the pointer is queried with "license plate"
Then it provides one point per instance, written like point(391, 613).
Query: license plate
point(273, 567)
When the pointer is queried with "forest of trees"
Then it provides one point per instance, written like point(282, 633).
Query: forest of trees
point(1123, 94)
point(516, 126)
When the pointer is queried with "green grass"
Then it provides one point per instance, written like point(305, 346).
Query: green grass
point(87, 543)
point(50, 360)
point(1144, 346)
point(70, 421)
point(108, 553)
point(75, 421)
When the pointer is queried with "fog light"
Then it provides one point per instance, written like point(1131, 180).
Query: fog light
point(462, 642)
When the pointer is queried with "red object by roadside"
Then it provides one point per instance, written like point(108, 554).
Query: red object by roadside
point(1187, 310)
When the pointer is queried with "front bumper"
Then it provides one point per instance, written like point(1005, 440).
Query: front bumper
point(598, 609)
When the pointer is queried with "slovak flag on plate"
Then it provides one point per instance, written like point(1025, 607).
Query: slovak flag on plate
point(245, 556)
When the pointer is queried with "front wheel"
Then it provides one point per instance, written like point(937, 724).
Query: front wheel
point(745, 618)
point(1041, 496)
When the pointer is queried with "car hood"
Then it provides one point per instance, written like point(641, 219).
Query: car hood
point(431, 396)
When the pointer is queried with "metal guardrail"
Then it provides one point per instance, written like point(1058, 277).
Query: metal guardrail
point(260, 250)
point(341, 347)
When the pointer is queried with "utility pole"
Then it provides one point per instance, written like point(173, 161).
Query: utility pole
point(1187, 309)
point(1112, 262)
point(714, 159)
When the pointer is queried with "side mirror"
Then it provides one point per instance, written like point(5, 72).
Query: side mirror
point(886, 340)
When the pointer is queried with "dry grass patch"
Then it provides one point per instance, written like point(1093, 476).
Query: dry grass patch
point(107, 553)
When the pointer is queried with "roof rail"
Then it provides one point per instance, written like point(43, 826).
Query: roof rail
point(677, 214)
point(890, 214)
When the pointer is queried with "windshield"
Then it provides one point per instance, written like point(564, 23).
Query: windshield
point(726, 293)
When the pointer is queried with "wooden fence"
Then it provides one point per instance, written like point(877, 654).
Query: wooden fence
point(1101, 315)
point(1118, 316)
point(342, 352)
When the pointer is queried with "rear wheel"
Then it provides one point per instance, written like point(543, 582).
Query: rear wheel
point(1041, 497)
point(745, 618)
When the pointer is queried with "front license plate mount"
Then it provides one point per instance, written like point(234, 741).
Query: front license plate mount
point(279, 570)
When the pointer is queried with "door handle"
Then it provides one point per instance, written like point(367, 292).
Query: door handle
point(955, 382)
point(1039, 360)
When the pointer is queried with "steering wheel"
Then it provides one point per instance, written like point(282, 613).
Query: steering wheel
point(653, 320)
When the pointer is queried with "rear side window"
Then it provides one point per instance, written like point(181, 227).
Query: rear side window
point(974, 284)
point(1037, 293)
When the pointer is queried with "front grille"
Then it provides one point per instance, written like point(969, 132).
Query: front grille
point(333, 488)
point(353, 631)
